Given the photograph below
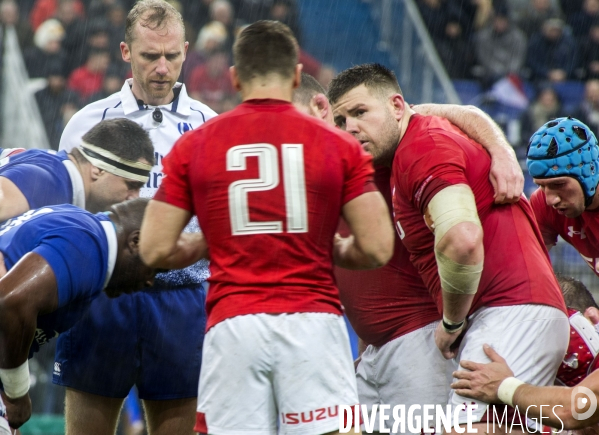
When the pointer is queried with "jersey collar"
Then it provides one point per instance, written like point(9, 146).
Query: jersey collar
point(110, 232)
point(181, 104)
point(77, 183)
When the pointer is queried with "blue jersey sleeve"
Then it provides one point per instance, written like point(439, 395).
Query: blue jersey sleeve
point(78, 260)
point(42, 179)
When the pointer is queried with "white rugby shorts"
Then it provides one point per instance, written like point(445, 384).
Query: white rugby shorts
point(408, 370)
point(532, 338)
point(269, 374)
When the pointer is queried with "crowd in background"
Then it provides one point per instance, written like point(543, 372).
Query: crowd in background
point(74, 44)
point(543, 43)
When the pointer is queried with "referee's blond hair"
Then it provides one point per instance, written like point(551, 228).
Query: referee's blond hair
point(153, 14)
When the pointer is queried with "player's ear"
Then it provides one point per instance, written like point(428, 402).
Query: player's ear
point(186, 46)
point(95, 172)
point(321, 106)
point(125, 52)
point(235, 78)
point(297, 75)
point(398, 105)
point(133, 241)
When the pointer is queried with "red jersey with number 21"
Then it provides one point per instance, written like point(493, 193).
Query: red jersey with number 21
point(267, 184)
point(434, 154)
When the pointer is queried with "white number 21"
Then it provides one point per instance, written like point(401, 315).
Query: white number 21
point(294, 183)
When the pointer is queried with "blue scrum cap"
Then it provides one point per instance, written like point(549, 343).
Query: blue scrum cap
point(565, 147)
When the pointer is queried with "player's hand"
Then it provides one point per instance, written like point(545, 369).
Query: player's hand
point(18, 410)
point(506, 176)
point(481, 381)
point(446, 342)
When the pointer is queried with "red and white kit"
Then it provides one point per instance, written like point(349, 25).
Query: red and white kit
point(267, 184)
point(518, 289)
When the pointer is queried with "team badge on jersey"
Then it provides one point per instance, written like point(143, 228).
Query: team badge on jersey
point(184, 127)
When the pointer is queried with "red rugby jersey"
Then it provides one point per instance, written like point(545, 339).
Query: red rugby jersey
point(385, 303)
point(267, 184)
point(434, 154)
point(581, 232)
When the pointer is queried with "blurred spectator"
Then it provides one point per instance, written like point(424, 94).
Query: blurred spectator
point(88, 78)
point(74, 43)
point(570, 7)
point(500, 48)
point(47, 49)
point(552, 53)
point(211, 83)
point(45, 9)
point(472, 15)
point(435, 14)
point(545, 107)
point(589, 58)
point(196, 14)
point(211, 37)
point(56, 103)
point(222, 12)
point(9, 16)
point(248, 11)
point(455, 51)
point(588, 112)
point(533, 17)
point(113, 82)
point(581, 21)
point(286, 12)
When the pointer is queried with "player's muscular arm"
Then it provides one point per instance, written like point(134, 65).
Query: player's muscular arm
point(483, 381)
point(506, 174)
point(370, 244)
point(459, 252)
point(27, 290)
point(165, 246)
point(12, 201)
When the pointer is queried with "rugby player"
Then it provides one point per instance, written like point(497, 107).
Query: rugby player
point(110, 165)
point(389, 307)
point(59, 258)
point(268, 194)
point(159, 347)
point(441, 174)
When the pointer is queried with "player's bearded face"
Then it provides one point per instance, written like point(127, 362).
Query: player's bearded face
point(371, 120)
point(564, 194)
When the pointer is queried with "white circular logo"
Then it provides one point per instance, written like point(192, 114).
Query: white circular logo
point(578, 402)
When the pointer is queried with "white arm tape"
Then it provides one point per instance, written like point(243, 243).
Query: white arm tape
point(15, 381)
point(507, 389)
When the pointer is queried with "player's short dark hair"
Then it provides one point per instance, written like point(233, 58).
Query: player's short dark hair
point(122, 137)
point(308, 87)
point(263, 48)
point(576, 295)
point(374, 76)
point(153, 14)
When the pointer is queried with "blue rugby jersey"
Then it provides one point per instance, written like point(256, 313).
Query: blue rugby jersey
point(81, 249)
point(45, 177)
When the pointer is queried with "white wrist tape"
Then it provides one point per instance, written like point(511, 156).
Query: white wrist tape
point(15, 381)
point(507, 389)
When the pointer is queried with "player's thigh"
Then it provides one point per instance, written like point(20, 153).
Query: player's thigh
point(171, 335)
point(532, 338)
point(90, 414)
point(313, 372)
point(99, 354)
point(167, 417)
point(410, 371)
point(235, 389)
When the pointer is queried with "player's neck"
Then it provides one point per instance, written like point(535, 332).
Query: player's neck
point(262, 89)
point(594, 204)
point(405, 121)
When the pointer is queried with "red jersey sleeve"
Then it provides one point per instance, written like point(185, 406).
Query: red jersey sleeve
point(175, 187)
point(359, 173)
point(544, 217)
point(434, 168)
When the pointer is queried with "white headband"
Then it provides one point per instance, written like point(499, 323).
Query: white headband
point(114, 164)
